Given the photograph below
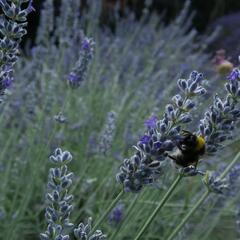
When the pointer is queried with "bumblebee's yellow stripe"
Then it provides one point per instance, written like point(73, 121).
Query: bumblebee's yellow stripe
point(200, 143)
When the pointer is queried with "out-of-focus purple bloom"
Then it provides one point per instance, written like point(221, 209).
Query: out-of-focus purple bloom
point(7, 82)
point(79, 72)
point(116, 215)
point(86, 44)
point(151, 122)
point(73, 78)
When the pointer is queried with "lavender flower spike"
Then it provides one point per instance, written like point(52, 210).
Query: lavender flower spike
point(58, 200)
point(144, 167)
point(12, 28)
point(79, 72)
point(221, 118)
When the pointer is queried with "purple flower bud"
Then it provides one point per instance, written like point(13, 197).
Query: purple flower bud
point(193, 75)
point(145, 139)
point(169, 108)
point(163, 127)
point(168, 145)
point(192, 87)
point(234, 75)
point(185, 118)
point(189, 104)
point(157, 145)
point(182, 84)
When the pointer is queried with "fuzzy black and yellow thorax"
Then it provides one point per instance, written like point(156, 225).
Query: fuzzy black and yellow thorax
point(190, 148)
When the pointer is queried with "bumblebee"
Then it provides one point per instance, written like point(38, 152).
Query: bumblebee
point(189, 149)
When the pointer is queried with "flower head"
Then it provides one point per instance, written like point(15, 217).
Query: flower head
point(59, 202)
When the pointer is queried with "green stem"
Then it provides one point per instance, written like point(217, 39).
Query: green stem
point(185, 219)
point(159, 206)
point(107, 211)
point(201, 200)
point(129, 209)
point(225, 172)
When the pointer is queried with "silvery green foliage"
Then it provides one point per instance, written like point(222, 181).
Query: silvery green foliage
point(107, 134)
point(144, 167)
point(12, 28)
point(220, 119)
point(58, 200)
point(79, 72)
point(83, 232)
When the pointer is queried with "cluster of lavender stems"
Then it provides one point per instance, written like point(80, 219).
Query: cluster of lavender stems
point(217, 126)
point(144, 167)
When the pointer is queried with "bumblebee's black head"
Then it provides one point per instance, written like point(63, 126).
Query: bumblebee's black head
point(191, 142)
point(188, 139)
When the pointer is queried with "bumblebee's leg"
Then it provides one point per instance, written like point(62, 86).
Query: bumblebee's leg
point(173, 158)
point(179, 146)
point(195, 164)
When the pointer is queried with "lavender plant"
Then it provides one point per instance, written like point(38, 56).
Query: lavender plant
point(140, 58)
